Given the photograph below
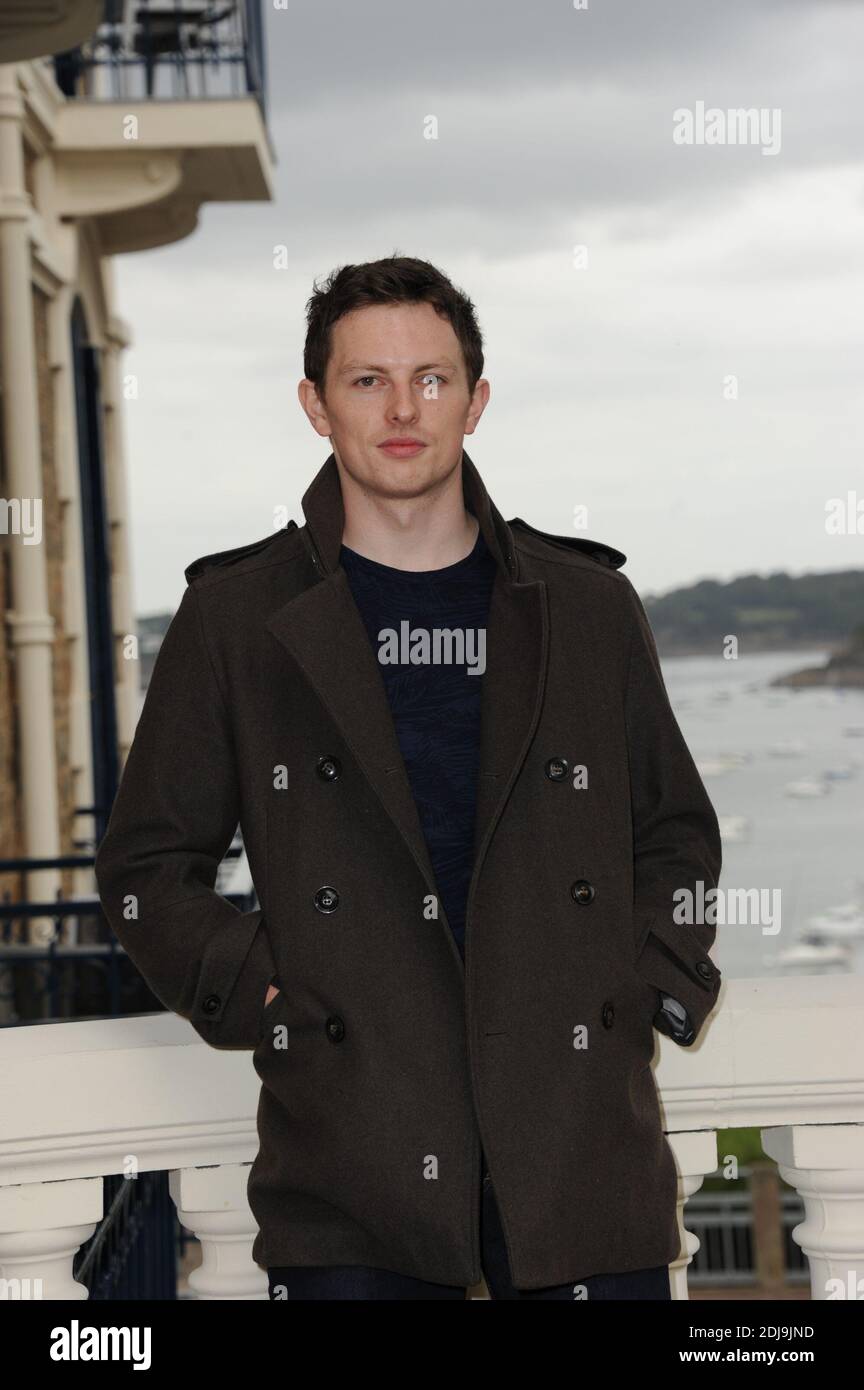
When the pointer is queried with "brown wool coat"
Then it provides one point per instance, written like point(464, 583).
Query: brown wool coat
point(384, 1063)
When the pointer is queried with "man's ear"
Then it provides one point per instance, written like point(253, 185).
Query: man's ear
point(479, 401)
point(314, 406)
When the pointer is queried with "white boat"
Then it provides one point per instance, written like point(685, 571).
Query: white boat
point(841, 772)
point(807, 786)
point(809, 955)
point(844, 922)
point(734, 829)
point(721, 762)
point(787, 748)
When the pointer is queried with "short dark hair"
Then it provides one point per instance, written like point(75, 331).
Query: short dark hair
point(392, 280)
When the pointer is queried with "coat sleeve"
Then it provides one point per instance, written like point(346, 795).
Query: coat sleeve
point(173, 818)
point(676, 842)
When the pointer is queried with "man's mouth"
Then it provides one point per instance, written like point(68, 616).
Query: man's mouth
point(402, 448)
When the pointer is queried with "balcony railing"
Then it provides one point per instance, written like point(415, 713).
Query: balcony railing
point(80, 970)
point(170, 49)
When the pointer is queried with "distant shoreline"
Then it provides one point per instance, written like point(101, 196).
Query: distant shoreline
point(843, 668)
point(670, 649)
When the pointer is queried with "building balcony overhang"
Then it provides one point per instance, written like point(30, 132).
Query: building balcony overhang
point(142, 170)
point(32, 28)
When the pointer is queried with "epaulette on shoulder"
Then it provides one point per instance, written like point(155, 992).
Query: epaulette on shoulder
point(230, 557)
point(595, 550)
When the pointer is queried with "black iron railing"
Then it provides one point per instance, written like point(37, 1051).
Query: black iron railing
point(723, 1223)
point(170, 49)
point(82, 971)
point(135, 1250)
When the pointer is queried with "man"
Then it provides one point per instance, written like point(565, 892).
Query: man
point(471, 819)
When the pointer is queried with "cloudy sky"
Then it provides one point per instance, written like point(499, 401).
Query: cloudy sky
point(610, 382)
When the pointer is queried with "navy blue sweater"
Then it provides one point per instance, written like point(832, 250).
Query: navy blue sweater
point(435, 703)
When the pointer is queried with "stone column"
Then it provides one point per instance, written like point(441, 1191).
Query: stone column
point(42, 1226)
point(30, 624)
point(825, 1164)
point(695, 1155)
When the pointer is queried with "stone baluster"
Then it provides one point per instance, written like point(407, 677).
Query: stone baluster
point(695, 1155)
point(212, 1203)
point(42, 1227)
point(825, 1165)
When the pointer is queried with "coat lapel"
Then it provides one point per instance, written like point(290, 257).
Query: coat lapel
point(323, 631)
point(517, 639)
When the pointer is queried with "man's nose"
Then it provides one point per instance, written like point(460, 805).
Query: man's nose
point(402, 404)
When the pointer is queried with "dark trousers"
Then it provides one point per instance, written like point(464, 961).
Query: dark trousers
point(361, 1282)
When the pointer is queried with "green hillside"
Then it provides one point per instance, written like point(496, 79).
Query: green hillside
point(765, 611)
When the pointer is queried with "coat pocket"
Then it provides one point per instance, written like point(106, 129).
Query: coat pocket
point(649, 994)
point(269, 1013)
point(642, 926)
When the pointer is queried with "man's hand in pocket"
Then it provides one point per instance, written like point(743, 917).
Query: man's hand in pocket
point(272, 991)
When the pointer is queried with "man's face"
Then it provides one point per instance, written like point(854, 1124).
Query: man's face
point(396, 372)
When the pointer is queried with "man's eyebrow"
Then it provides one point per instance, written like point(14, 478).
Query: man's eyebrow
point(374, 367)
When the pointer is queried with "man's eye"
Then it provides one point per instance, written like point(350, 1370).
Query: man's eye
point(433, 374)
point(364, 378)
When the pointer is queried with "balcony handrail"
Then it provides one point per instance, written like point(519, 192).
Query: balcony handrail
point(24, 865)
point(137, 37)
point(768, 1056)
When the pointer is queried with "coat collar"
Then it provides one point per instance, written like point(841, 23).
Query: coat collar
point(324, 511)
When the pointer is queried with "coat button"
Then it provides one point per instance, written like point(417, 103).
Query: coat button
point(556, 769)
point(705, 969)
point(608, 1015)
point(582, 891)
point(212, 1004)
point(326, 899)
point(335, 1029)
point(329, 769)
